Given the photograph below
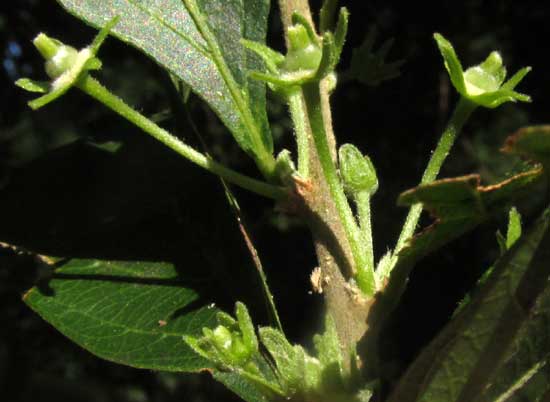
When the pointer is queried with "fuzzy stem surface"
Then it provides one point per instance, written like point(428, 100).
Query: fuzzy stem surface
point(97, 91)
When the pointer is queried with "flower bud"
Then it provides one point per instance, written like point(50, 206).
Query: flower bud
point(222, 337)
point(303, 53)
point(59, 57)
point(357, 171)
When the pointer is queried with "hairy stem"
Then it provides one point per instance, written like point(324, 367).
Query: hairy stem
point(363, 276)
point(97, 91)
point(460, 115)
point(348, 308)
point(364, 215)
point(298, 115)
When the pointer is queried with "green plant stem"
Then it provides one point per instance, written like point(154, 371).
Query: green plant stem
point(97, 91)
point(462, 112)
point(299, 118)
point(364, 215)
point(363, 275)
point(263, 157)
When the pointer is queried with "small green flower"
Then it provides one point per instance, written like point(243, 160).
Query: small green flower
point(482, 84)
point(64, 65)
point(309, 58)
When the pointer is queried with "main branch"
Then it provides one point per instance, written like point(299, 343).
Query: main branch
point(344, 303)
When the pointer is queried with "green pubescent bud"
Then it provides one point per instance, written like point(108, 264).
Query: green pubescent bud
point(303, 53)
point(487, 77)
point(63, 60)
point(357, 171)
point(239, 351)
point(298, 37)
point(222, 337)
point(59, 57)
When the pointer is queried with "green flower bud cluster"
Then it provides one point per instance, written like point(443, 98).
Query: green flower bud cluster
point(310, 57)
point(289, 371)
point(232, 344)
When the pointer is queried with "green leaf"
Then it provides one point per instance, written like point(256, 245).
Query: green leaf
point(248, 391)
point(246, 326)
point(290, 363)
point(460, 204)
point(514, 228)
point(466, 356)
point(329, 353)
point(33, 86)
point(165, 31)
point(327, 345)
point(452, 63)
point(133, 313)
point(525, 375)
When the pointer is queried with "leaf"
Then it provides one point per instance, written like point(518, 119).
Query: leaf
point(289, 364)
point(531, 142)
point(33, 86)
point(240, 386)
point(525, 375)
point(459, 204)
point(514, 228)
point(165, 31)
point(327, 345)
point(452, 63)
point(464, 358)
point(133, 313)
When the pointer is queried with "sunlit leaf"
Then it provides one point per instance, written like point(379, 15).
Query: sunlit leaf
point(165, 31)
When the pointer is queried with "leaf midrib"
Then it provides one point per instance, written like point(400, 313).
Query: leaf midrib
point(71, 308)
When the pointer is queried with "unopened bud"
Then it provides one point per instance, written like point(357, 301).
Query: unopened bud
point(357, 171)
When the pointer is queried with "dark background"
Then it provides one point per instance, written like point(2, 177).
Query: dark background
point(62, 193)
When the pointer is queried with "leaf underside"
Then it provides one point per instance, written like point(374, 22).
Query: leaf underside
point(165, 31)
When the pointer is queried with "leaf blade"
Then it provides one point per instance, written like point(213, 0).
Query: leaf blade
point(130, 313)
point(164, 30)
point(466, 355)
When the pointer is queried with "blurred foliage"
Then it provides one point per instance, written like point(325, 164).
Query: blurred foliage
point(64, 194)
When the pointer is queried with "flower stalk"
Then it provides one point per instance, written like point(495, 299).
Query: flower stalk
point(68, 67)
